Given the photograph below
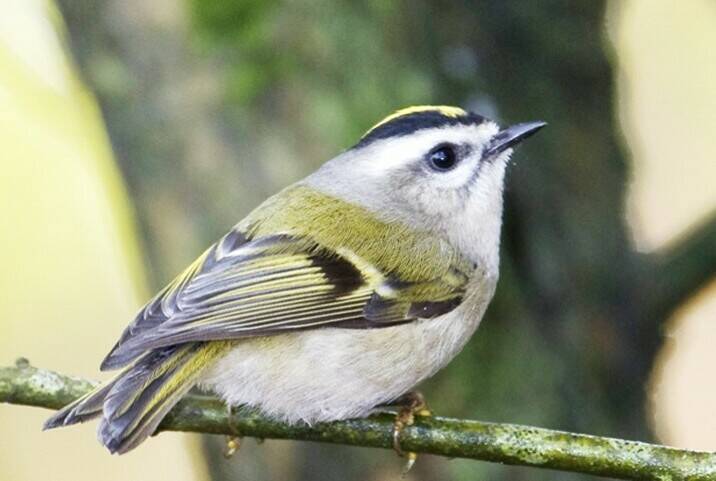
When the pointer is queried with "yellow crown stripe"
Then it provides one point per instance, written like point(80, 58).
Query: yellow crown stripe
point(445, 110)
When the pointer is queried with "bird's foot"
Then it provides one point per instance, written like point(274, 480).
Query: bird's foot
point(233, 444)
point(233, 441)
point(412, 404)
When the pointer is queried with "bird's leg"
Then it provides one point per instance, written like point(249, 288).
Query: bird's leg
point(411, 404)
point(233, 441)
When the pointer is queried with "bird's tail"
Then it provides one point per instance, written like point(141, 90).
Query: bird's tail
point(135, 401)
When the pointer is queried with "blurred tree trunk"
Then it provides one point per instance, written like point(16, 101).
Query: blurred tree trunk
point(571, 336)
point(566, 238)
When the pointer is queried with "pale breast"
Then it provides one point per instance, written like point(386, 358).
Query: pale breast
point(331, 373)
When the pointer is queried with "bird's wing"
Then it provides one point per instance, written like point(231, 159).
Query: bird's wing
point(273, 284)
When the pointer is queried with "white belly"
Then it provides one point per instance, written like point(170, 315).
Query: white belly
point(330, 374)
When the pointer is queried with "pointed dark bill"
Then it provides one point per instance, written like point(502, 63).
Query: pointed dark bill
point(511, 136)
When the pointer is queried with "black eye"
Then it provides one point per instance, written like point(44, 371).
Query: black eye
point(442, 158)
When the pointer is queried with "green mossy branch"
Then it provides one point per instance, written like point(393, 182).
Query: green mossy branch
point(502, 443)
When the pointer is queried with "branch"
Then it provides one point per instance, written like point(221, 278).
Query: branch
point(502, 443)
point(681, 270)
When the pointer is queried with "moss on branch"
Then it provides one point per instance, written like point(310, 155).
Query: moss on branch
point(502, 443)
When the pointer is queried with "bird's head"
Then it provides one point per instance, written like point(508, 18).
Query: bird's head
point(435, 168)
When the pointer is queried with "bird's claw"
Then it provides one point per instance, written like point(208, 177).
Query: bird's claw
point(409, 463)
point(233, 442)
point(413, 404)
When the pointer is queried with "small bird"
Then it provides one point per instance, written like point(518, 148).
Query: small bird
point(335, 296)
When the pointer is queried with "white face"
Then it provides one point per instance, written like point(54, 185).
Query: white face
point(434, 179)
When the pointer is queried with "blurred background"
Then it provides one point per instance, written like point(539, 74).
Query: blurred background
point(134, 133)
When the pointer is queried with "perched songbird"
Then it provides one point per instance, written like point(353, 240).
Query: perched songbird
point(337, 295)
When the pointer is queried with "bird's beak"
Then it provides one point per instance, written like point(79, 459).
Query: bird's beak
point(511, 136)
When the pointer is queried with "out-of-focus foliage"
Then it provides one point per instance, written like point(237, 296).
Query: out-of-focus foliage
point(307, 60)
point(71, 273)
point(333, 68)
